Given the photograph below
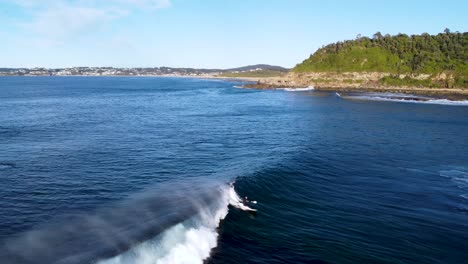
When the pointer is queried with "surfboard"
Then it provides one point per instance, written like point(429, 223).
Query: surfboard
point(246, 208)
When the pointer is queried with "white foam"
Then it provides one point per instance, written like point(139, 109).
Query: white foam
point(310, 88)
point(187, 242)
point(426, 101)
point(236, 201)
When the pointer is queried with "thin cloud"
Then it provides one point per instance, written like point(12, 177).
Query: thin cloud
point(59, 20)
point(64, 20)
point(152, 4)
point(131, 4)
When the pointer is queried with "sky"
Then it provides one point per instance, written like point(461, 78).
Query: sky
point(203, 33)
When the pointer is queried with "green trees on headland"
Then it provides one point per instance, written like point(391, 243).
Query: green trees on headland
point(400, 54)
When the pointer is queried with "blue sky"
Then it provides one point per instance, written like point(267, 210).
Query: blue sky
point(202, 33)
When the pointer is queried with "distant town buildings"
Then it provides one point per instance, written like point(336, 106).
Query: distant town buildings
point(110, 71)
point(107, 71)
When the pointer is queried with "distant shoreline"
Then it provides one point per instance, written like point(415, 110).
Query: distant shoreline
point(207, 77)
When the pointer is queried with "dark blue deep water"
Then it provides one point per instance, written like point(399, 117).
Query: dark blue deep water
point(117, 170)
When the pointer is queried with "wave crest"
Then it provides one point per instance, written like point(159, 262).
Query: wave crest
point(174, 223)
point(188, 242)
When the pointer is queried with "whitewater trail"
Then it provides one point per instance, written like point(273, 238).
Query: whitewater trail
point(188, 242)
point(403, 98)
point(432, 101)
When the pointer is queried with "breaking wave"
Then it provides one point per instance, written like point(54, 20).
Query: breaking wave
point(188, 242)
point(310, 88)
point(404, 98)
point(173, 224)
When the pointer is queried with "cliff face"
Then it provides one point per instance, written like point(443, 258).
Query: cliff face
point(322, 79)
point(343, 79)
point(333, 79)
point(370, 79)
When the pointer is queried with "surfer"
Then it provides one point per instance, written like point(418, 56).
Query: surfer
point(246, 199)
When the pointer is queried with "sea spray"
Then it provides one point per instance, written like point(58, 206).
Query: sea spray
point(188, 242)
point(158, 224)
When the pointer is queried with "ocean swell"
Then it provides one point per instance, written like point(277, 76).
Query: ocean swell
point(459, 176)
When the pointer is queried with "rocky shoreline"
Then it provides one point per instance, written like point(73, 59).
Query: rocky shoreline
point(350, 82)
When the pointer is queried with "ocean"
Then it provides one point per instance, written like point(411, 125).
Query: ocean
point(120, 170)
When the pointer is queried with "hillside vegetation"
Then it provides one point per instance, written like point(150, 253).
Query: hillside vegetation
point(254, 74)
point(264, 67)
point(433, 55)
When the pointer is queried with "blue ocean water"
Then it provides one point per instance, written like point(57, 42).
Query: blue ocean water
point(137, 170)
